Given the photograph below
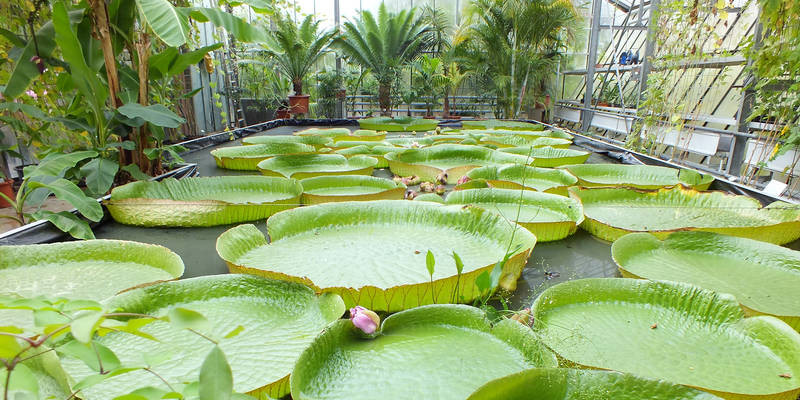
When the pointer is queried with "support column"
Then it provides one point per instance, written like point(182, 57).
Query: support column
point(739, 145)
point(591, 60)
point(649, 47)
point(340, 113)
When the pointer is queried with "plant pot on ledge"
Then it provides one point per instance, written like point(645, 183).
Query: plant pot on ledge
point(6, 189)
point(298, 104)
point(283, 113)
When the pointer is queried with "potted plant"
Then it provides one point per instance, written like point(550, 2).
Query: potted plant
point(294, 49)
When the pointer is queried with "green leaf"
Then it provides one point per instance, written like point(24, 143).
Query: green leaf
point(49, 317)
point(236, 26)
point(9, 347)
point(55, 164)
point(22, 380)
point(184, 318)
point(32, 111)
point(67, 222)
point(99, 175)
point(84, 326)
point(156, 114)
point(459, 263)
point(483, 282)
point(92, 380)
point(171, 62)
point(135, 172)
point(166, 22)
point(216, 378)
point(93, 355)
point(430, 262)
point(235, 332)
point(71, 193)
point(12, 37)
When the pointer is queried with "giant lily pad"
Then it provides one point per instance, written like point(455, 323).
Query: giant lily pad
point(404, 124)
point(323, 189)
point(453, 159)
point(272, 323)
point(86, 270)
point(202, 201)
point(378, 152)
point(611, 213)
point(344, 144)
point(247, 157)
point(501, 124)
point(373, 253)
point(363, 135)
point(411, 142)
point(520, 176)
point(517, 141)
point(574, 384)
point(634, 176)
point(548, 216)
point(763, 277)
point(527, 135)
point(672, 331)
point(316, 141)
point(325, 132)
point(431, 352)
point(548, 156)
point(309, 165)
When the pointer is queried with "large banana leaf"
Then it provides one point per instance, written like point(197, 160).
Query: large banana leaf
point(432, 352)
point(672, 331)
point(323, 189)
point(635, 176)
point(275, 322)
point(247, 157)
point(550, 157)
point(202, 201)
point(500, 124)
point(763, 277)
point(520, 176)
point(405, 124)
point(373, 253)
point(548, 216)
point(516, 141)
point(575, 384)
point(303, 166)
point(611, 213)
point(316, 141)
point(364, 135)
point(87, 269)
point(453, 159)
point(378, 152)
point(325, 132)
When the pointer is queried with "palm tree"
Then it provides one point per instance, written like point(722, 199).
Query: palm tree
point(295, 48)
point(514, 42)
point(384, 46)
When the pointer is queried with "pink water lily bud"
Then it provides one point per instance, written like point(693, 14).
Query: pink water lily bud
point(415, 145)
point(427, 187)
point(410, 194)
point(364, 319)
point(440, 189)
point(413, 180)
point(464, 179)
point(398, 179)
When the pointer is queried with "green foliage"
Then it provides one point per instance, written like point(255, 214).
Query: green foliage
point(329, 85)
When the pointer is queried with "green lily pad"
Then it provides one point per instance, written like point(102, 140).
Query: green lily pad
point(501, 124)
point(611, 213)
point(378, 152)
point(516, 141)
point(634, 176)
point(437, 351)
point(363, 135)
point(548, 216)
point(247, 157)
point(453, 159)
point(430, 197)
point(373, 253)
point(548, 156)
point(45, 367)
point(344, 144)
point(325, 132)
point(316, 141)
point(672, 331)
point(404, 124)
point(411, 142)
point(520, 176)
point(309, 165)
point(205, 201)
point(274, 322)
point(513, 134)
point(763, 277)
point(575, 384)
point(323, 189)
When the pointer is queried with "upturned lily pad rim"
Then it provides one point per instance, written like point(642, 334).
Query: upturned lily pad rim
point(516, 197)
point(635, 176)
point(385, 188)
point(421, 162)
point(401, 124)
point(707, 306)
point(459, 317)
point(360, 165)
point(708, 244)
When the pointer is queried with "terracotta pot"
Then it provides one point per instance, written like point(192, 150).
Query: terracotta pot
point(6, 189)
point(283, 113)
point(298, 104)
point(341, 94)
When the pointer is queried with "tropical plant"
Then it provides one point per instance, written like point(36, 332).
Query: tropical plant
point(515, 42)
point(384, 46)
point(428, 80)
point(295, 48)
point(328, 89)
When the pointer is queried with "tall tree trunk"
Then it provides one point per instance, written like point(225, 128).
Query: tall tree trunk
point(385, 99)
point(522, 92)
point(297, 86)
point(142, 141)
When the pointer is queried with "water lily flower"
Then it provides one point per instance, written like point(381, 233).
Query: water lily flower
point(398, 179)
point(410, 194)
point(365, 319)
point(440, 189)
point(427, 187)
point(414, 180)
point(442, 178)
point(464, 179)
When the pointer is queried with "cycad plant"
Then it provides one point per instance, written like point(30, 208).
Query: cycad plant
point(514, 43)
point(384, 46)
point(295, 48)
